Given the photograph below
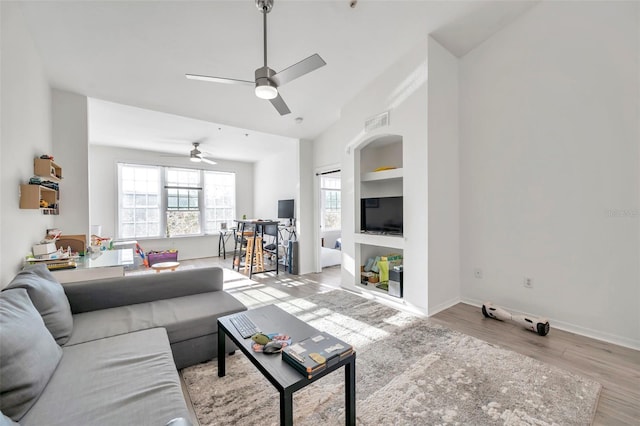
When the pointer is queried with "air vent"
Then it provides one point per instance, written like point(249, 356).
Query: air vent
point(377, 121)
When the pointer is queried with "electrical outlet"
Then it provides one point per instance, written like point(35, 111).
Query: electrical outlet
point(527, 282)
point(477, 273)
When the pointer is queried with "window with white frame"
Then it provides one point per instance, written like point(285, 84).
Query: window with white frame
point(219, 200)
point(330, 202)
point(139, 201)
point(173, 201)
point(183, 192)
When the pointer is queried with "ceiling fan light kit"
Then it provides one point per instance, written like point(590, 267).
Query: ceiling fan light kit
point(267, 80)
point(265, 88)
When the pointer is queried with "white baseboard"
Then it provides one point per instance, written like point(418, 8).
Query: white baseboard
point(571, 328)
point(442, 306)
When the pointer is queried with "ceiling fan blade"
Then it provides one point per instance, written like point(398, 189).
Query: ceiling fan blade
point(280, 105)
point(303, 67)
point(218, 79)
point(206, 160)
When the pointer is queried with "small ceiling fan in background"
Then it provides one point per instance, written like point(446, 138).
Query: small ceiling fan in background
point(267, 80)
point(195, 155)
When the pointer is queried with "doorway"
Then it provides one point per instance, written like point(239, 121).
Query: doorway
point(330, 216)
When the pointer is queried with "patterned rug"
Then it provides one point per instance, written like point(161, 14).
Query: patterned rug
point(409, 371)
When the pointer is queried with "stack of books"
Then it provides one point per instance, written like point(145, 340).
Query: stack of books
point(315, 354)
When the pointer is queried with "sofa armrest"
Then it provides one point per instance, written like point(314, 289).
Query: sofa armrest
point(85, 296)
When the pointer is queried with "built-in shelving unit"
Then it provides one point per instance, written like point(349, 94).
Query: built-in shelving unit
point(46, 199)
point(385, 152)
point(382, 240)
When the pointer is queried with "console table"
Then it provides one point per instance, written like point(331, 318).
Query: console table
point(94, 266)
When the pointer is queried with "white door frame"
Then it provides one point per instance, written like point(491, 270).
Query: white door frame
point(316, 212)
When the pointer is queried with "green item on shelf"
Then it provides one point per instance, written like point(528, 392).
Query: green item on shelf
point(383, 266)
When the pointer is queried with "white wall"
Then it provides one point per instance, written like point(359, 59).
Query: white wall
point(549, 168)
point(305, 209)
point(444, 179)
point(275, 178)
point(25, 135)
point(103, 196)
point(71, 146)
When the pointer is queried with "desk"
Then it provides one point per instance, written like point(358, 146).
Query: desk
point(94, 266)
point(223, 237)
point(252, 229)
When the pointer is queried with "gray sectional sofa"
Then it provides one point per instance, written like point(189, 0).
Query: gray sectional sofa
point(105, 352)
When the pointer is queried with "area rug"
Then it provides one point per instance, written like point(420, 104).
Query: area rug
point(409, 371)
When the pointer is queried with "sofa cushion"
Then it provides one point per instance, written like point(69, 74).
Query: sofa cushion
point(48, 297)
point(184, 317)
point(123, 380)
point(29, 355)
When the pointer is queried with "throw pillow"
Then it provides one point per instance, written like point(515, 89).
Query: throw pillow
point(48, 297)
point(29, 354)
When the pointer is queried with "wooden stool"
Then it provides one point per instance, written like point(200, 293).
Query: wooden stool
point(257, 258)
point(162, 266)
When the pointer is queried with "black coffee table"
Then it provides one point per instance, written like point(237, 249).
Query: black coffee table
point(271, 319)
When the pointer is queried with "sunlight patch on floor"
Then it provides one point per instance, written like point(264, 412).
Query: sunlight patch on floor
point(356, 332)
point(275, 293)
point(401, 319)
point(256, 297)
point(296, 305)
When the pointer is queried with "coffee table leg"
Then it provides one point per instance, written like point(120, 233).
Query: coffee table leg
point(221, 366)
point(350, 392)
point(286, 408)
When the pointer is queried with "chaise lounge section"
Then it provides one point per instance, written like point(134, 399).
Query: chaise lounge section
point(106, 351)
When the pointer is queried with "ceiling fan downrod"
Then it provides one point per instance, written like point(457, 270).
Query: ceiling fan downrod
point(265, 88)
point(265, 7)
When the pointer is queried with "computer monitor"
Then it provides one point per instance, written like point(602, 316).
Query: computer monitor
point(285, 209)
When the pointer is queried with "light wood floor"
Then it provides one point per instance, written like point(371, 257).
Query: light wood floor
point(615, 367)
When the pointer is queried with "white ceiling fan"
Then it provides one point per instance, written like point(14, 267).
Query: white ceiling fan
point(267, 80)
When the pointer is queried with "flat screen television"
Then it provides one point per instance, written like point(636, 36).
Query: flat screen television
point(285, 209)
point(381, 215)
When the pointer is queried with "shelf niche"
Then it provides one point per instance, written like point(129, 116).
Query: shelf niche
point(384, 151)
point(46, 168)
point(31, 194)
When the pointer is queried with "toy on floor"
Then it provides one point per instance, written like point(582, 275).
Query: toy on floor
point(537, 325)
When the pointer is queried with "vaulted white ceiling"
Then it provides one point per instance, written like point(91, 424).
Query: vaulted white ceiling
point(137, 52)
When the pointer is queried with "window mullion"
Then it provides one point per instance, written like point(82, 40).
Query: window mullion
point(201, 206)
point(163, 202)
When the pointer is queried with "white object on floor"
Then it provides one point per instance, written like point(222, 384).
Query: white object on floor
point(330, 257)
